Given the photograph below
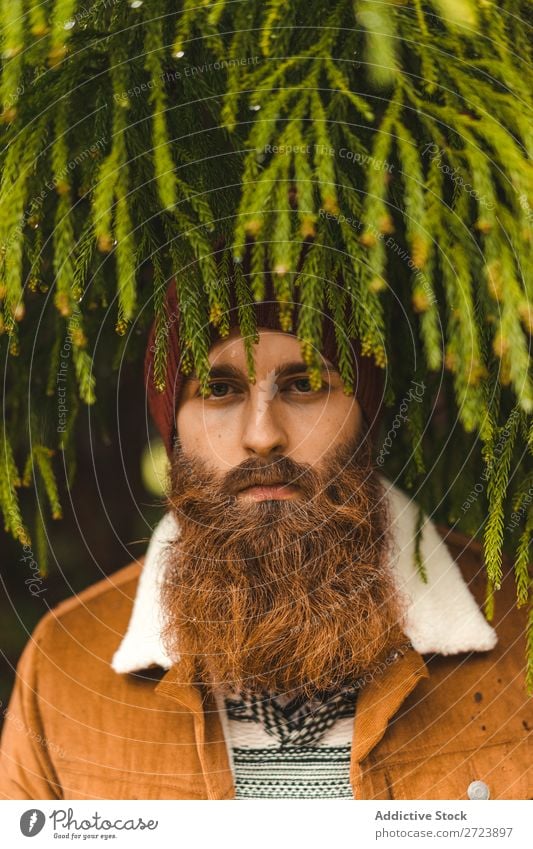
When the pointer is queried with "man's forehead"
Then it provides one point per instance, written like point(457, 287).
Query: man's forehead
point(276, 351)
point(268, 338)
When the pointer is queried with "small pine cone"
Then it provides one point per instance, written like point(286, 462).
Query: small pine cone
point(368, 240)
point(483, 225)
point(285, 318)
point(366, 347)
point(315, 379)
point(525, 311)
point(377, 284)
point(420, 301)
point(121, 327)
point(62, 302)
point(307, 349)
point(253, 226)
point(380, 357)
point(23, 536)
point(420, 251)
point(386, 225)
point(500, 345)
point(307, 228)
point(8, 115)
point(186, 360)
point(330, 205)
point(56, 55)
point(79, 338)
point(476, 373)
point(450, 361)
point(19, 312)
point(105, 243)
point(215, 314)
point(38, 30)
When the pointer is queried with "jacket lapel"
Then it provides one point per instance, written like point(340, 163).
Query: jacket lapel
point(178, 685)
point(376, 705)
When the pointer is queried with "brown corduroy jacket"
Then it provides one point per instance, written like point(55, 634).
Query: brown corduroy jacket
point(425, 728)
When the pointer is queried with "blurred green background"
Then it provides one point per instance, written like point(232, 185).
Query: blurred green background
point(108, 515)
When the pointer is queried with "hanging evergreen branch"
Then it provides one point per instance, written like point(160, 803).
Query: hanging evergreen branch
point(383, 150)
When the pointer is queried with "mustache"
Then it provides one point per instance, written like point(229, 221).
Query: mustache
point(280, 469)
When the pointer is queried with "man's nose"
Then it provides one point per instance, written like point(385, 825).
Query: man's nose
point(264, 431)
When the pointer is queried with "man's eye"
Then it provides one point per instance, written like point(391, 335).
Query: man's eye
point(218, 389)
point(302, 384)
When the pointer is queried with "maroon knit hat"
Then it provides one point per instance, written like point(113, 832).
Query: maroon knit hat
point(369, 378)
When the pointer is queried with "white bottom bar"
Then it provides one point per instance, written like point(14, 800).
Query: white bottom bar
point(264, 824)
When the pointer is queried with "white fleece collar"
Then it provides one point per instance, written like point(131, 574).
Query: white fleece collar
point(442, 615)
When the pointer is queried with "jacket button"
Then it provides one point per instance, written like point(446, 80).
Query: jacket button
point(478, 790)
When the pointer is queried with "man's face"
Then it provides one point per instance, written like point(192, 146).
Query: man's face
point(268, 587)
point(279, 414)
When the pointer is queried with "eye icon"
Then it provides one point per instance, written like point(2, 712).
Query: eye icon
point(32, 822)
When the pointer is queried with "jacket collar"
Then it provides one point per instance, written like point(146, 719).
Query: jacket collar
point(442, 615)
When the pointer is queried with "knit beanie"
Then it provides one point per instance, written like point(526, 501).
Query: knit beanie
point(368, 377)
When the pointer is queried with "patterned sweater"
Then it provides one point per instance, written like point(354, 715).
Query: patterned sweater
point(292, 748)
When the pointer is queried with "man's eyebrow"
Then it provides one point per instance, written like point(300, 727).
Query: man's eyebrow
point(284, 370)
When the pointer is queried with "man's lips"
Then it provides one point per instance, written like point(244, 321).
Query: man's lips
point(274, 491)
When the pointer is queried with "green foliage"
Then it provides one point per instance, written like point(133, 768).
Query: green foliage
point(383, 152)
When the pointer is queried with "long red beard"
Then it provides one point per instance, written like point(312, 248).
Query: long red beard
point(284, 596)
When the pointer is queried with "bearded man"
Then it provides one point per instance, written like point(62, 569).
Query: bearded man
point(278, 640)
